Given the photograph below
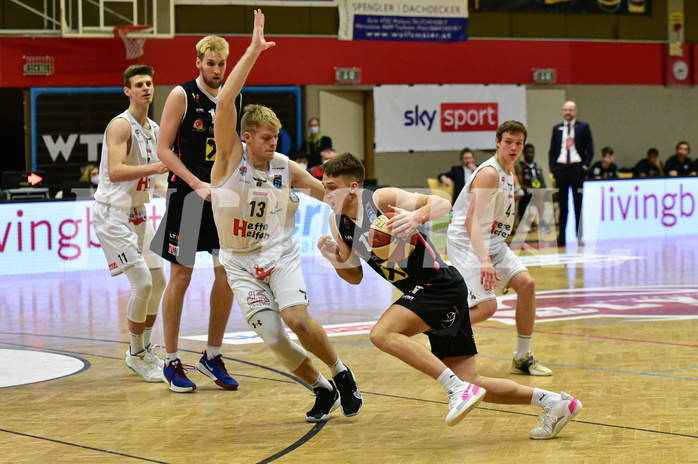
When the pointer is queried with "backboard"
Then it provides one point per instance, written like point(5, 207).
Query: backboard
point(97, 18)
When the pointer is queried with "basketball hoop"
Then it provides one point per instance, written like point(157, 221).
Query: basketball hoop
point(134, 45)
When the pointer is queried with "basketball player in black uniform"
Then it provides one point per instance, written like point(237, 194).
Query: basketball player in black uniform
point(530, 177)
point(434, 300)
point(187, 146)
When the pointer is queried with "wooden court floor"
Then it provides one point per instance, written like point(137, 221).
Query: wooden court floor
point(617, 324)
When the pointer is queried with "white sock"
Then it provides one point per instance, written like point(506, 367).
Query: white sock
point(322, 382)
point(337, 367)
point(544, 398)
point(136, 343)
point(212, 351)
point(449, 380)
point(523, 345)
point(171, 357)
point(147, 332)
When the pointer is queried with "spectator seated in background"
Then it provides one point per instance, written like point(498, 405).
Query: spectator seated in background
point(459, 175)
point(301, 158)
point(315, 143)
point(680, 165)
point(325, 155)
point(606, 168)
point(649, 167)
point(87, 182)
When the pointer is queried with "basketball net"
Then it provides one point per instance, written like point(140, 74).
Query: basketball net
point(134, 45)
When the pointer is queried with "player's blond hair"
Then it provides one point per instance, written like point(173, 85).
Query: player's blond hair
point(214, 44)
point(256, 116)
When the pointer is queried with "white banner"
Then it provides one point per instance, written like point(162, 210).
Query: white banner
point(637, 208)
point(59, 236)
point(443, 117)
point(407, 20)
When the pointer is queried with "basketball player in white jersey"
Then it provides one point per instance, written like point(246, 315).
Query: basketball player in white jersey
point(126, 183)
point(482, 219)
point(254, 210)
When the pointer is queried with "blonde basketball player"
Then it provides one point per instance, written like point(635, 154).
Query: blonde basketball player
point(254, 210)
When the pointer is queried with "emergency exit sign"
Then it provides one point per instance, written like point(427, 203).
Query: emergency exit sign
point(544, 76)
point(347, 75)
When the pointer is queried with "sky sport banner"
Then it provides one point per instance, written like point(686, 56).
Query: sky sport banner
point(443, 117)
point(407, 20)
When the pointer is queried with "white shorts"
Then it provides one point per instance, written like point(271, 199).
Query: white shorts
point(505, 263)
point(285, 288)
point(125, 235)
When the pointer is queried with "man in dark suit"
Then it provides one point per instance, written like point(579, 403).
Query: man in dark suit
point(459, 175)
point(571, 152)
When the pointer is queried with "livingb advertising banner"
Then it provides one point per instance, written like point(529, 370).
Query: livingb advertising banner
point(408, 20)
point(59, 236)
point(443, 117)
point(637, 208)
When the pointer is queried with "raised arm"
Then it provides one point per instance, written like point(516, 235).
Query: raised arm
point(411, 209)
point(228, 145)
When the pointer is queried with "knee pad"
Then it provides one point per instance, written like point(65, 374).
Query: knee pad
point(159, 283)
point(141, 288)
point(267, 324)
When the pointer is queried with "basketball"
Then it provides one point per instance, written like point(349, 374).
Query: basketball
point(387, 247)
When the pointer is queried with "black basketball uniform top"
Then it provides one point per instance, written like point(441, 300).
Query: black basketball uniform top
point(194, 143)
point(531, 174)
point(420, 265)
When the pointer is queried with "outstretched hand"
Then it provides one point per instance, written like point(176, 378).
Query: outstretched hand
point(258, 40)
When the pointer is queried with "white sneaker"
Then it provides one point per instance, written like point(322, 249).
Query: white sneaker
point(144, 366)
point(462, 401)
point(154, 358)
point(554, 418)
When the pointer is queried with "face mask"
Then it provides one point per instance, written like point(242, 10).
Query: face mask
point(303, 165)
point(314, 130)
point(94, 180)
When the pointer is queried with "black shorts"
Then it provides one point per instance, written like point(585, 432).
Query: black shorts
point(187, 227)
point(442, 302)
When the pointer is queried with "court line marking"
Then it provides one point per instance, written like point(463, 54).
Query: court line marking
point(318, 427)
point(91, 448)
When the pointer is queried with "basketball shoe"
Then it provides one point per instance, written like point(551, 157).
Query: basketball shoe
point(154, 358)
point(326, 401)
point(176, 378)
point(142, 365)
point(215, 369)
point(528, 365)
point(349, 394)
point(463, 400)
point(554, 418)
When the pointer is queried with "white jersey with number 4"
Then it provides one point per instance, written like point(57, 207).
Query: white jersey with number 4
point(143, 151)
point(498, 218)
